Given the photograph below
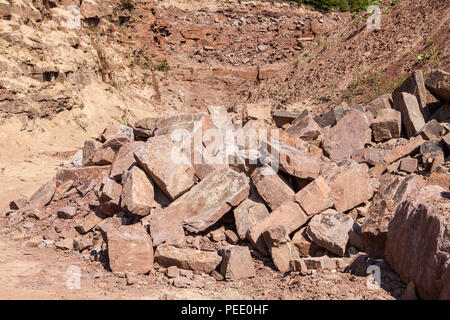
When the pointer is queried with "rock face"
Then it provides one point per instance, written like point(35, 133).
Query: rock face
point(130, 249)
point(438, 83)
point(418, 242)
point(201, 207)
point(349, 184)
point(236, 263)
point(137, 192)
point(188, 259)
point(330, 230)
point(350, 133)
point(167, 165)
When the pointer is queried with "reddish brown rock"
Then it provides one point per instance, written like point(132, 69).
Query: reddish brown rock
point(351, 133)
point(258, 111)
point(41, 197)
point(236, 263)
point(298, 164)
point(167, 165)
point(82, 175)
point(305, 127)
point(113, 131)
point(280, 247)
point(18, 203)
point(271, 187)
point(330, 230)
point(305, 247)
point(432, 130)
point(201, 207)
point(247, 214)
point(408, 165)
point(67, 212)
point(432, 154)
point(411, 113)
point(370, 156)
point(413, 85)
point(137, 192)
point(349, 184)
point(62, 189)
point(283, 117)
point(188, 259)
point(438, 83)
point(90, 146)
point(88, 222)
point(109, 196)
point(124, 159)
point(102, 156)
point(315, 197)
point(382, 102)
point(130, 249)
point(439, 179)
point(387, 125)
point(403, 150)
point(289, 215)
point(417, 242)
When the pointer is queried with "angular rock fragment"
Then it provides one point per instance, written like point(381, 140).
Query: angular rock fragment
point(283, 117)
point(305, 247)
point(438, 83)
point(188, 259)
point(88, 222)
point(67, 212)
point(411, 114)
point(403, 150)
point(236, 263)
point(137, 192)
point(382, 102)
point(330, 230)
point(271, 187)
point(432, 154)
point(298, 164)
point(408, 165)
point(432, 130)
point(258, 111)
point(289, 215)
point(90, 146)
point(109, 196)
point(413, 85)
point(280, 247)
point(417, 242)
point(351, 133)
point(18, 203)
point(82, 175)
point(247, 214)
point(315, 197)
point(201, 207)
point(446, 141)
point(387, 125)
point(124, 159)
point(102, 156)
point(370, 156)
point(167, 165)
point(130, 249)
point(41, 197)
point(305, 127)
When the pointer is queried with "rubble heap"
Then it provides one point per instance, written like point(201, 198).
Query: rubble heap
point(209, 192)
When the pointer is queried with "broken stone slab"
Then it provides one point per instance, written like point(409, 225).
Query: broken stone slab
point(281, 249)
point(330, 230)
point(387, 125)
point(432, 130)
point(283, 117)
point(305, 247)
point(382, 102)
point(305, 127)
point(64, 244)
point(247, 214)
point(315, 197)
point(408, 165)
point(370, 156)
point(130, 249)
point(351, 133)
point(41, 197)
point(68, 212)
point(289, 215)
point(320, 263)
point(201, 207)
point(89, 222)
point(297, 163)
point(403, 150)
point(138, 192)
point(438, 83)
point(392, 191)
point(417, 242)
point(62, 189)
point(411, 113)
point(349, 184)
point(113, 131)
point(432, 154)
point(82, 175)
point(271, 187)
point(413, 85)
point(109, 196)
point(167, 165)
point(124, 159)
point(188, 259)
point(102, 156)
point(236, 263)
point(90, 146)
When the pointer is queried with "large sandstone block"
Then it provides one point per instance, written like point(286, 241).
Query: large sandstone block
point(351, 133)
point(124, 159)
point(130, 249)
point(201, 207)
point(167, 165)
point(283, 117)
point(315, 197)
point(413, 85)
point(82, 175)
point(281, 249)
point(289, 215)
point(387, 125)
point(438, 83)
point(418, 241)
point(236, 263)
point(137, 192)
point(247, 214)
point(330, 230)
point(411, 114)
point(271, 187)
point(305, 127)
point(109, 196)
point(298, 163)
point(403, 150)
point(188, 259)
point(349, 184)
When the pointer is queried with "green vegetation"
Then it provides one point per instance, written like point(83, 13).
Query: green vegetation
point(163, 66)
point(343, 5)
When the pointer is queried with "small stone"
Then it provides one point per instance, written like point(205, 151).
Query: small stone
point(172, 272)
point(232, 238)
point(67, 212)
point(408, 165)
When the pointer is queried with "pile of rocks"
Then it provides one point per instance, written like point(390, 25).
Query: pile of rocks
point(205, 192)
